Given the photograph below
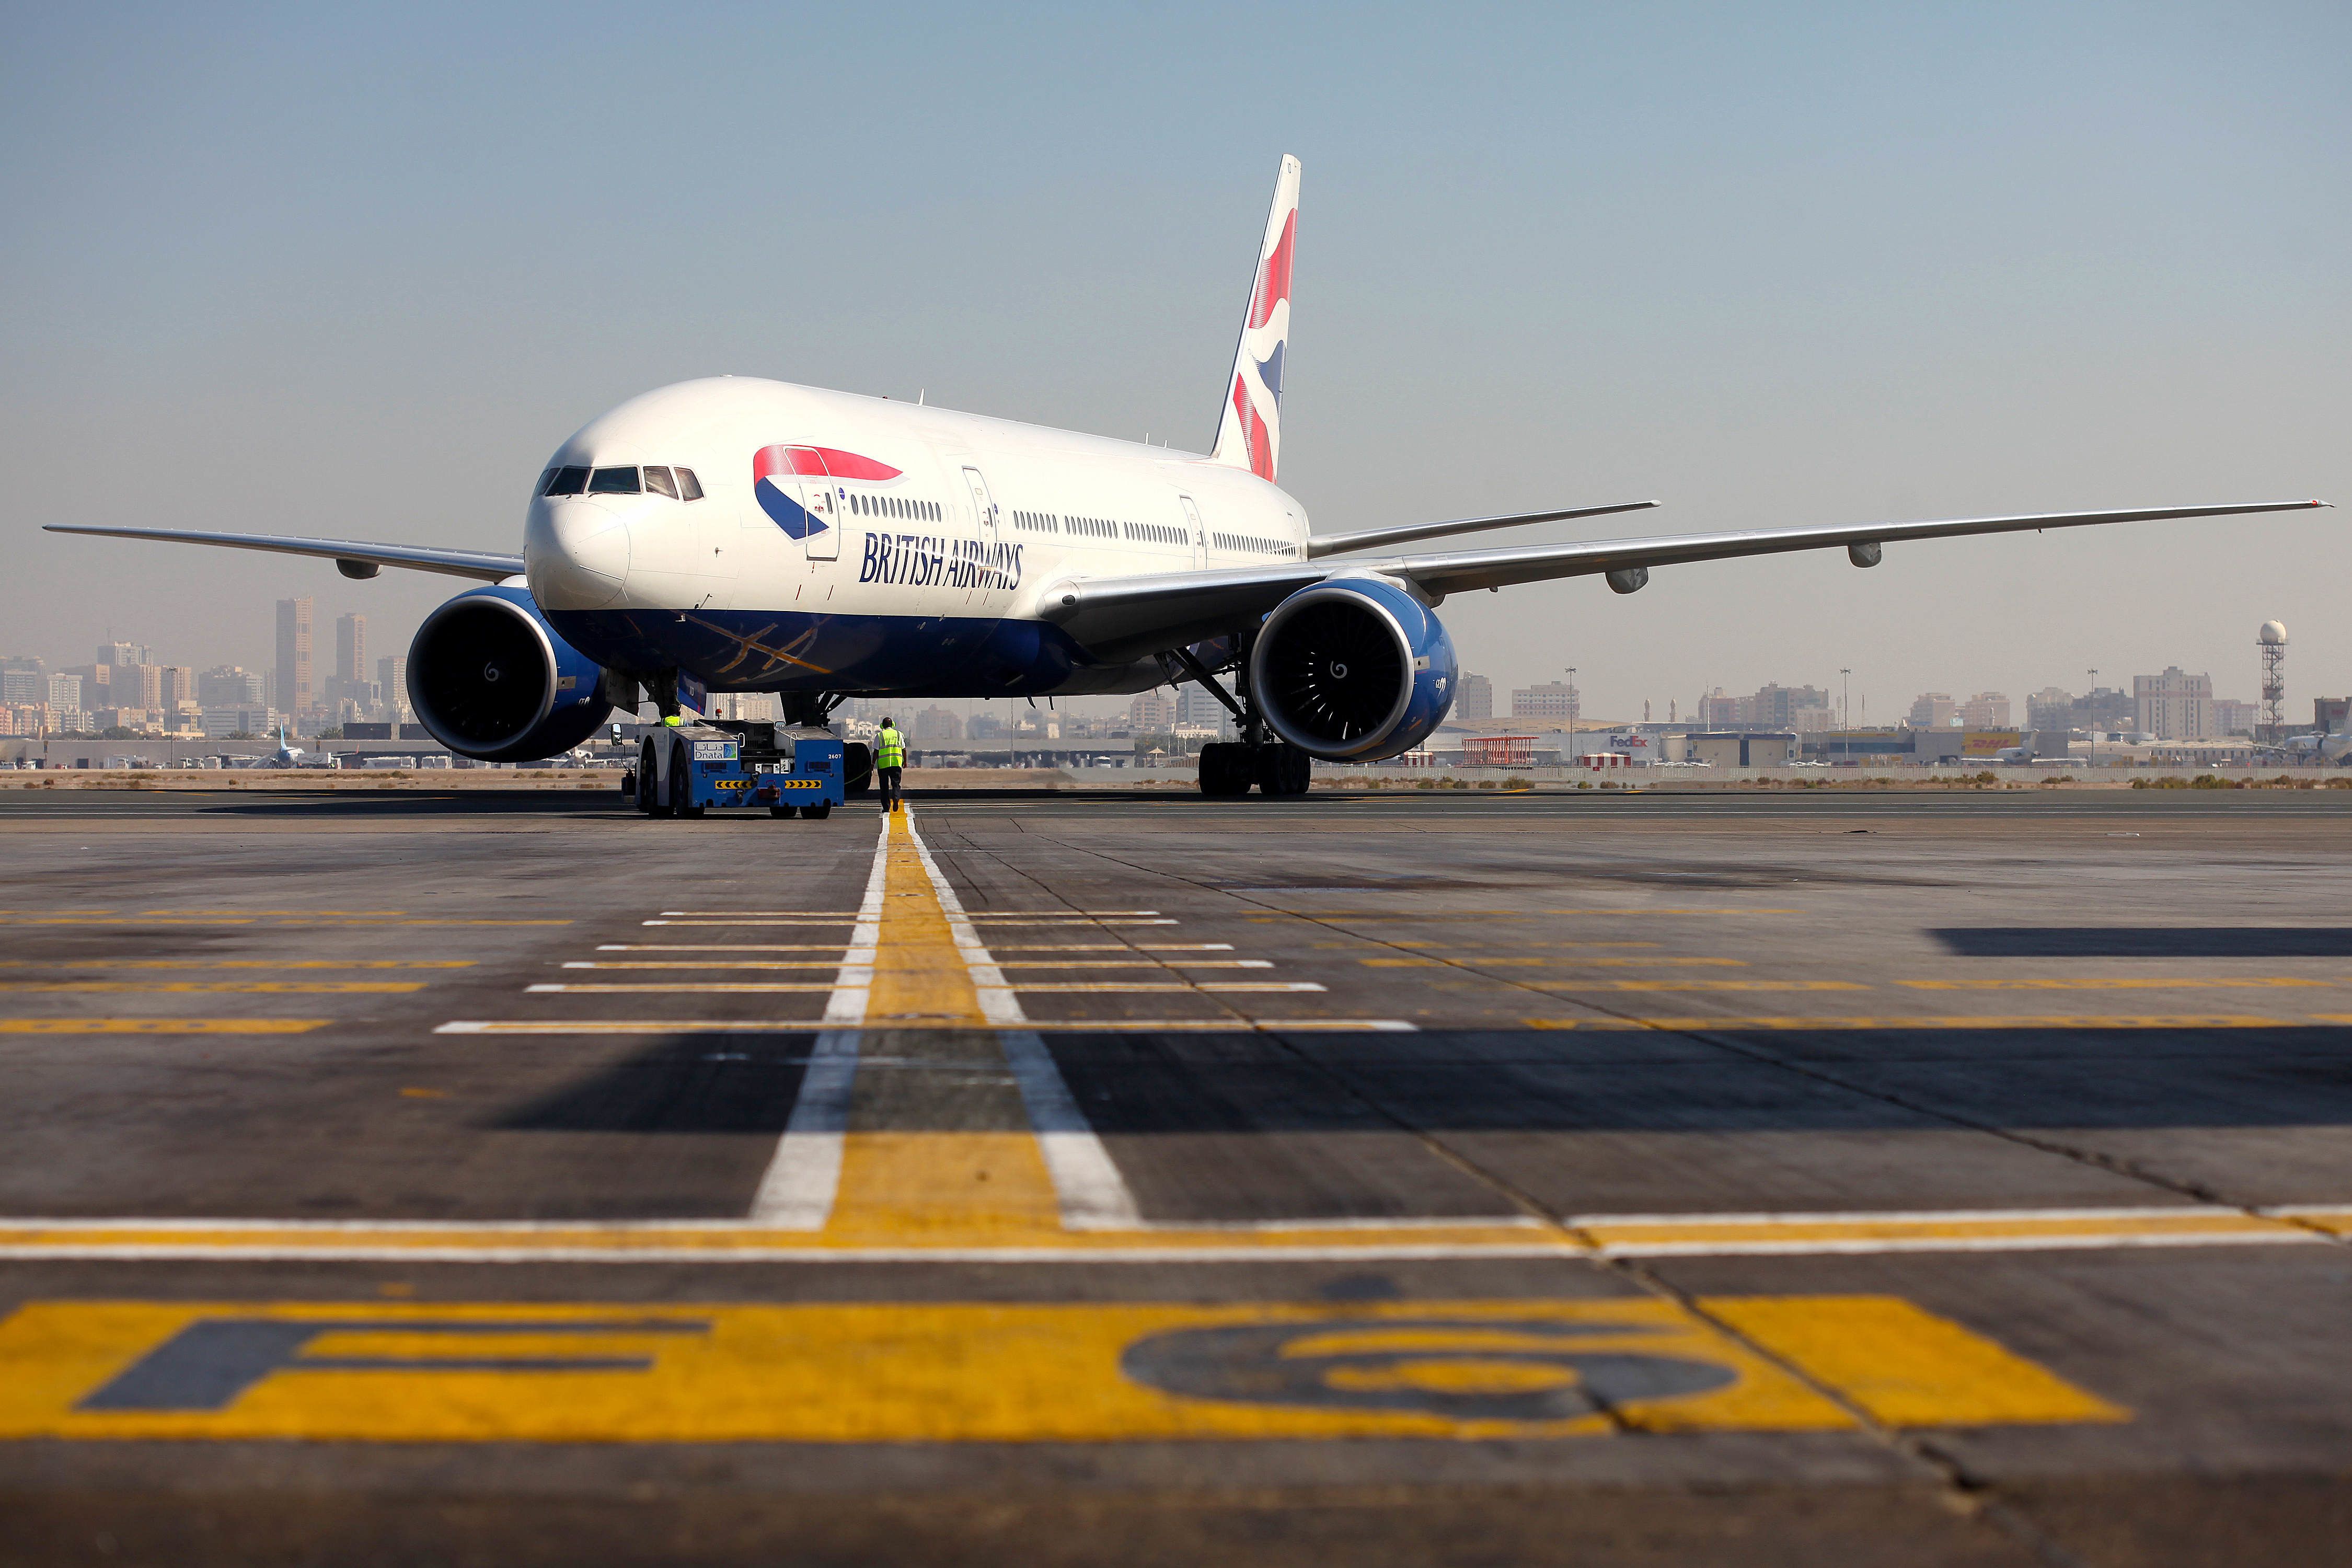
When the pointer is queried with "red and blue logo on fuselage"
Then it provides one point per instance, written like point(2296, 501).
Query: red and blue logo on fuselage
point(777, 473)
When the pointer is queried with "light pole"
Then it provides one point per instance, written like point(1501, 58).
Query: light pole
point(1846, 707)
point(1571, 715)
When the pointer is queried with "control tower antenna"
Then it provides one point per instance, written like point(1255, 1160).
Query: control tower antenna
point(2271, 644)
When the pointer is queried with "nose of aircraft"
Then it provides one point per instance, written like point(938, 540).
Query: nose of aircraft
point(576, 552)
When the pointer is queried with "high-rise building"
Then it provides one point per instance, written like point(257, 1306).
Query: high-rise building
point(1549, 701)
point(232, 686)
point(2232, 717)
point(1196, 705)
point(23, 681)
point(351, 650)
point(1932, 711)
point(392, 676)
point(2175, 706)
point(1778, 707)
point(1474, 698)
point(935, 724)
point(295, 691)
point(124, 653)
point(1985, 711)
point(2052, 708)
point(1152, 711)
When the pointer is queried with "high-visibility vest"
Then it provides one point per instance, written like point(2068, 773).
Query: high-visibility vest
point(893, 748)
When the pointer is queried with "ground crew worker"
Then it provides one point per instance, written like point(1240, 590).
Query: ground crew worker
point(889, 756)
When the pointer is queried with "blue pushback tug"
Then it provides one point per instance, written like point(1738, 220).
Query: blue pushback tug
point(684, 770)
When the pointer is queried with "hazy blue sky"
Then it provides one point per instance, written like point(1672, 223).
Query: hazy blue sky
point(356, 271)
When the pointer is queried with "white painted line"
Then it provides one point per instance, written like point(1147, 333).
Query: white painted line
point(1091, 1190)
point(855, 983)
point(799, 1252)
point(693, 988)
point(997, 1003)
point(1094, 1195)
point(1112, 963)
point(797, 1191)
point(1139, 987)
point(760, 963)
point(723, 946)
point(1059, 922)
point(1113, 947)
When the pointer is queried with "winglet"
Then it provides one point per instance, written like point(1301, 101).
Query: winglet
point(1249, 428)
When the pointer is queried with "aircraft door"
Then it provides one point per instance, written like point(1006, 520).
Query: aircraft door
point(1199, 533)
point(982, 506)
point(817, 499)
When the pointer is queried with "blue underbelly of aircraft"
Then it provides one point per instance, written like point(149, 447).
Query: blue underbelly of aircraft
point(785, 650)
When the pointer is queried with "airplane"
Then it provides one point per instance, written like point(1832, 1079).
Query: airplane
point(740, 535)
point(287, 755)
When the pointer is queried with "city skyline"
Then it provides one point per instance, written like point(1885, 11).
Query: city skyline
point(2047, 276)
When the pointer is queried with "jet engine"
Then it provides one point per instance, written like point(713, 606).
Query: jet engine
point(1352, 669)
point(490, 680)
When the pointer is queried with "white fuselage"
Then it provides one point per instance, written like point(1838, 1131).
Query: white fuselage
point(916, 523)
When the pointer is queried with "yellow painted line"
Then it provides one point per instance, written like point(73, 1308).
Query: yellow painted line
point(160, 1025)
point(2332, 1018)
point(897, 1187)
point(1714, 1235)
point(1479, 962)
point(1036, 964)
point(968, 914)
point(1908, 1367)
point(111, 920)
point(962, 1372)
point(2000, 1021)
point(804, 1025)
point(2119, 984)
point(900, 1216)
point(238, 964)
point(216, 987)
point(851, 920)
point(1698, 984)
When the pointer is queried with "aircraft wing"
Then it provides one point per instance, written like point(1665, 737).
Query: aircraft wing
point(353, 557)
point(1130, 617)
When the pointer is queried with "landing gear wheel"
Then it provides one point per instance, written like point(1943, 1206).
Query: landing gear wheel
point(816, 813)
point(785, 811)
point(1283, 769)
point(681, 789)
point(1226, 770)
point(650, 786)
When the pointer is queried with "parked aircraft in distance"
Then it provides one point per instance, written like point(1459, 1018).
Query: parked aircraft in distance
point(738, 534)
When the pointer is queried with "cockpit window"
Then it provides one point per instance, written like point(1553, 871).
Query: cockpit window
point(657, 483)
point(688, 487)
point(612, 482)
point(565, 481)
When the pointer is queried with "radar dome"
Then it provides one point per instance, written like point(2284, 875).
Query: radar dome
point(2272, 632)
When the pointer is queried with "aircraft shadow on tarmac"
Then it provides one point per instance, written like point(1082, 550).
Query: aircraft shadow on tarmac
point(2146, 942)
point(1543, 1082)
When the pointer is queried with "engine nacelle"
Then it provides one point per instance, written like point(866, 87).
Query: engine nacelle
point(1352, 670)
point(490, 680)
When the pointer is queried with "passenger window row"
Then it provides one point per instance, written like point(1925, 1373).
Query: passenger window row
point(1035, 521)
point(1251, 543)
point(1100, 528)
point(904, 507)
point(1155, 533)
point(678, 484)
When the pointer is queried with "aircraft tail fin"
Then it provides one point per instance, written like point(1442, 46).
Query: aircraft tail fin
point(1249, 428)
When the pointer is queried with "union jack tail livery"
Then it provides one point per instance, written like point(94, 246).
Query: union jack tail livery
point(1249, 430)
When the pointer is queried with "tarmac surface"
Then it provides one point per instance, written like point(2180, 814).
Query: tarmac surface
point(1058, 1178)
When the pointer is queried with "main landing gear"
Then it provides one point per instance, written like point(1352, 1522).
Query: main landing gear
point(1229, 768)
point(1277, 767)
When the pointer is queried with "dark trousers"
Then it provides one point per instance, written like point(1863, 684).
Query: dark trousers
point(891, 792)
